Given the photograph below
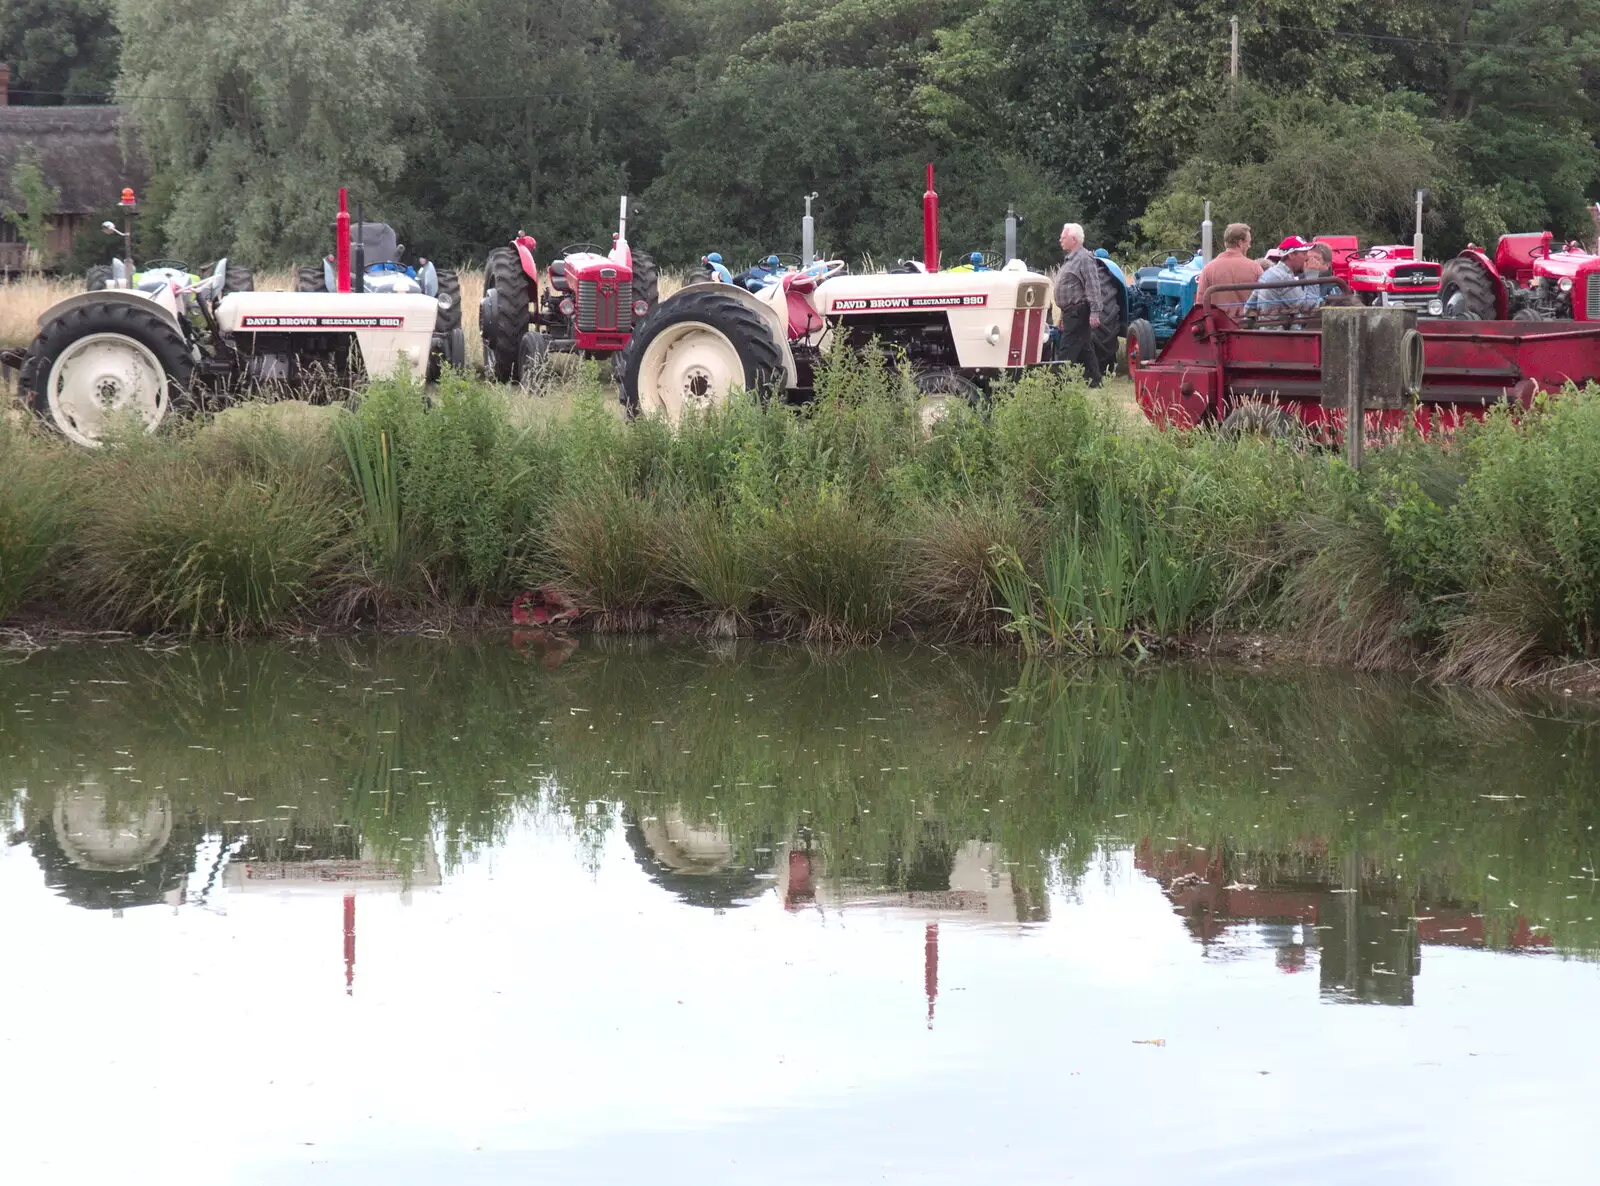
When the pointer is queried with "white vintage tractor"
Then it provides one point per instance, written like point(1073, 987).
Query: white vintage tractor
point(958, 330)
point(134, 353)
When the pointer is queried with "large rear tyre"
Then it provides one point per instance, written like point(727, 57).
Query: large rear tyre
point(646, 280)
point(309, 280)
point(97, 362)
point(238, 278)
point(449, 298)
point(1112, 313)
point(694, 351)
point(505, 312)
point(99, 277)
point(1468, 290)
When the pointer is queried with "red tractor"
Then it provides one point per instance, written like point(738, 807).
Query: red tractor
point(1387, 275)
point(589, 303)
point(1528, 279)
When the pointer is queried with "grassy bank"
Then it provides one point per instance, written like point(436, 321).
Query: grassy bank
point(1043, 522)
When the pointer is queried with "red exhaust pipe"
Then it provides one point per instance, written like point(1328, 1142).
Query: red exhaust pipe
point(930, 226)
point(341, 244)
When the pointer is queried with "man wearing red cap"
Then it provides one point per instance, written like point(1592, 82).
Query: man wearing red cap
point(1278, 308)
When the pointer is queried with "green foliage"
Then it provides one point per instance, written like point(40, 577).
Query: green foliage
point(36, 504)
point(37, 202)
point(60, 51)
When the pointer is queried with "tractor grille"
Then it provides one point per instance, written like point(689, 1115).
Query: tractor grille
point(605, 312)
point(1419, 276)
point(1592, 297)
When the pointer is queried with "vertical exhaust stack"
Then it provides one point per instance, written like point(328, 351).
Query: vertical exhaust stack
point(1011, 233)
point(622, 220)
point(341, 243)
point(1206, 229)
point(930, 226)
point(808, 235)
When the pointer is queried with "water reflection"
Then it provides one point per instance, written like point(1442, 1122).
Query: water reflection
point(1343, 823)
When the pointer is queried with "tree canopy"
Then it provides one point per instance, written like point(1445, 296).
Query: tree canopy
point(464, 121)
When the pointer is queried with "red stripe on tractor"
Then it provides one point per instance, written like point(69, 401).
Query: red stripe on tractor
point(1019, 325)
point(1035, 319)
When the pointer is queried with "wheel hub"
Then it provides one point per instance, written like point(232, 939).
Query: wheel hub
point(101, 375)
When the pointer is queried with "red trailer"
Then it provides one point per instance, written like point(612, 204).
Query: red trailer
point(1217, 361)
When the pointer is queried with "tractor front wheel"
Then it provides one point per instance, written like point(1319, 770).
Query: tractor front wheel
point(1468, 290)
point(694, 351)
point(1141, 343)
point(96, 362)
point(449, 298)
point(940, 391)
point(505, 313)
point(646, 280)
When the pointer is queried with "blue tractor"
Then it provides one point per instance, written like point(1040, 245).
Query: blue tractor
point(1162, 297)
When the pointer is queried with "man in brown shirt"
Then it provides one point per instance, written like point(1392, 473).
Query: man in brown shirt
point(1233, 266)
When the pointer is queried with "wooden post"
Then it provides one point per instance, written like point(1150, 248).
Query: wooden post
point(1355, 424)
point(1364, 364)
point(1233, 60)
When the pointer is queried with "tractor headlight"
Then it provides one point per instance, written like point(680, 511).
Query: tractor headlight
point(1565, 284)
point(444, 300)
point(640, 308)
point(1435, 307)
point(567, 307)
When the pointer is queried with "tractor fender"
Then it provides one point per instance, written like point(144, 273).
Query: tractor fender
point(109, 296)
point(530, 266)
point(1502, 301)
point(773, 318)
point(429, 276)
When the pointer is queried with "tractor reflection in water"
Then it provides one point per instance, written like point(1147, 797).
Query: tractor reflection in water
point(939, 882)
point(105, 853)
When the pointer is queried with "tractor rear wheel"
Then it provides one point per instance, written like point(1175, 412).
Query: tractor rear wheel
point(693, 351)
point(309, 280)
point(505, 313)
point(1141, 343)
point(449, 299)
point(97, 361)
point(940, 391)
point(238, 278)
point(99, 277)
point(1467, 290)
point(646, 281)
point(1111, 319)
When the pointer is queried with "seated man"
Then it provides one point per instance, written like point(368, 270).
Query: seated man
point(716, 268)
point(1279, 308)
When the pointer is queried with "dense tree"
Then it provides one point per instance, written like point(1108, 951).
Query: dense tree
point(60, 51)
point(465, 120)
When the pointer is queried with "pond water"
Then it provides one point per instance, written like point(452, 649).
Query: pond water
point(527, 911)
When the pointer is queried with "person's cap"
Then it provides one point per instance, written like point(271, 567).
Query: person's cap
point(714, 258)
point(1293, 243)
point(1101, 253)
point(1274, 254)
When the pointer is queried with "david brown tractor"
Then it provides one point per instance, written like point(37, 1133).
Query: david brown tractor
point(1389, 275)
point(1528, 279)
point(378, 257)
point(136, 353)
point(589, 303)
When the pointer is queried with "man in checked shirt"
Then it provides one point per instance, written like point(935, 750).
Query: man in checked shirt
point(1077, 297)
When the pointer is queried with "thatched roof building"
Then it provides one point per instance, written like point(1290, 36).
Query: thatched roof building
point(83, 152)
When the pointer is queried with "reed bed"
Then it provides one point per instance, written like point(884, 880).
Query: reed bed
point(1036, 520)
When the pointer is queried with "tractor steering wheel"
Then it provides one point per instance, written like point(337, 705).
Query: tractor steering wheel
point(176, 265)
point(1371, 253)
point(824, 269)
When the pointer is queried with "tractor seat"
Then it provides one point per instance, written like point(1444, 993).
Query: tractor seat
point(558, 275)
point(802, 317)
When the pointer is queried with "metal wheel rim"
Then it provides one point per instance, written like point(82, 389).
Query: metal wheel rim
point(100, 375)
point(686, 366)
point(933, 409)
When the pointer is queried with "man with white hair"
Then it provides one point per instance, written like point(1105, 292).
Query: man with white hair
point(1077, 294)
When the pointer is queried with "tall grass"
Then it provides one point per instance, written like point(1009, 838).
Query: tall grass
point(1037, 517)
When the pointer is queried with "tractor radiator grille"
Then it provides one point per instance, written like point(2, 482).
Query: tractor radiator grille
point(1592, 296)
point(605, 312)
point(1419, 276)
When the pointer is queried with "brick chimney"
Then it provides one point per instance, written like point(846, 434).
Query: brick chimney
point(5, 83)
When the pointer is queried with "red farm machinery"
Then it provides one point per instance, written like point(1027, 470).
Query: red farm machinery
point(588, 303)
point(1219, 370)
point(1529, 278)
point(1389, 274)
